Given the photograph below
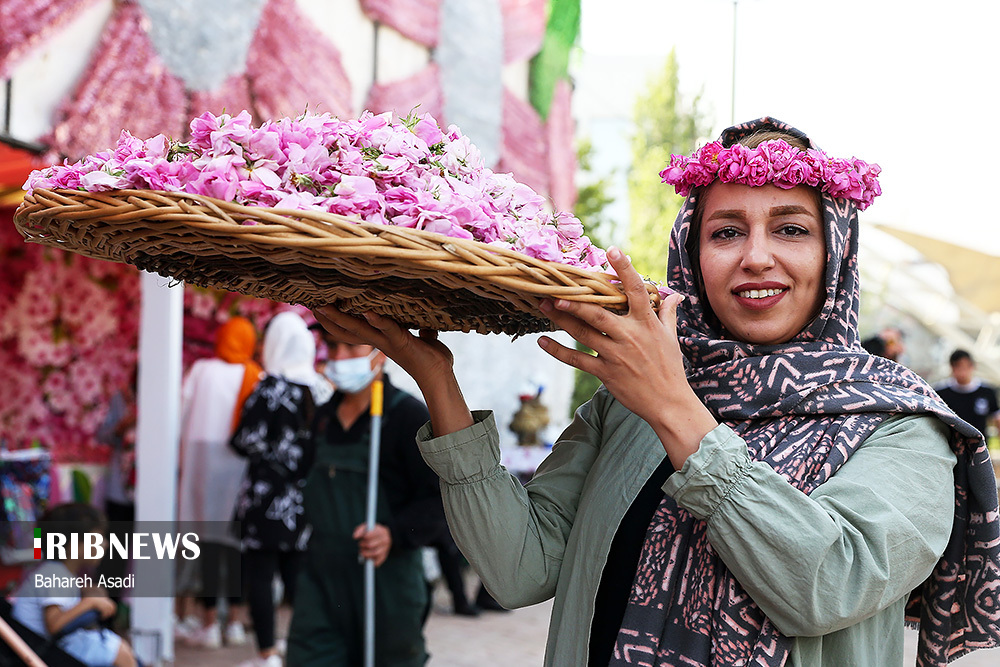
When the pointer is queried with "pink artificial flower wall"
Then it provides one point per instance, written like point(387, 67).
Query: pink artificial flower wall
point(68, 336)
point(68, 339)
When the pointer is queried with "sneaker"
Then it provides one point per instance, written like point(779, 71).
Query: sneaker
point(236, 635)
point(210, 637)
point(187, 630)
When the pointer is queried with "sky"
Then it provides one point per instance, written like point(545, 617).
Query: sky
point(910, 86)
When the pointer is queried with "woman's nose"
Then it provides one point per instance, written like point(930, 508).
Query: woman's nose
point(757, 253)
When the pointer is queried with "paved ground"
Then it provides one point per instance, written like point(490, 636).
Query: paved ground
point(514, 638)
point(509, 639)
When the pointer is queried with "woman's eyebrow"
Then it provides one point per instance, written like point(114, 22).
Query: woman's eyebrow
point(729, 214)
point(789, 209)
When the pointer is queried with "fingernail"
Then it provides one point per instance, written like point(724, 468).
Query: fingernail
point(614, 253)
point(543, 342)
point(545, 306)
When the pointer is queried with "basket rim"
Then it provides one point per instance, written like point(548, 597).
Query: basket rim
point(151, 229)
point(308, 218)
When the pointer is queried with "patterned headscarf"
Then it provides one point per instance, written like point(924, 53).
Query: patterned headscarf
point(235, 343)
point(804, 407)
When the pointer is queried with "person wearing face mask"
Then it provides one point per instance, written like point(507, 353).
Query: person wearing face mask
point(328, 618)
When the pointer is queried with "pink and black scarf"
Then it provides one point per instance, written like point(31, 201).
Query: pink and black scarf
point(804, 407)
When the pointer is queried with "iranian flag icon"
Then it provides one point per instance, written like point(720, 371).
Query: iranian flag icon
point(38, 544)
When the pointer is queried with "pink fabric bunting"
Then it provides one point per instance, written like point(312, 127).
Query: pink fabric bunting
point(523, 28)
point(562, 148)
point(231, 97)
point(523, 148)
point(420, 92)
point(126, 85)
point(292, 66)
point(419, 20)
point(540, 156)
point(24, 23)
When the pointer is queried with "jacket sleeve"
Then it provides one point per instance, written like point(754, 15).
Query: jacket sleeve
point(860, 541)
point(513, 535)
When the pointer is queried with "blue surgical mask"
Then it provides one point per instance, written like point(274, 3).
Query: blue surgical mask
point(351, 375)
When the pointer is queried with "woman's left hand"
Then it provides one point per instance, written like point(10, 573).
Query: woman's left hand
point(638, 359)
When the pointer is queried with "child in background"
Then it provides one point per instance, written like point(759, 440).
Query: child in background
point(46, 610)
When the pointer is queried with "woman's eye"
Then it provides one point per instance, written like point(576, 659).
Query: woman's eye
point(793, 230)
point(725, 233)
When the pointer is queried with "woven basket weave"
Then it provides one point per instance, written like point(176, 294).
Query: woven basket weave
point(420, 279)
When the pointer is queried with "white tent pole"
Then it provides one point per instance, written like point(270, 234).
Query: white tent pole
point(157, 444)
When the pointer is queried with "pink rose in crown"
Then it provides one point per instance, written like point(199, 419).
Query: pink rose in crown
point(778, 163)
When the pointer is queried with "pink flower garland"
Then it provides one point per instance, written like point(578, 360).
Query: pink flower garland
point(404, 172)
point(778, 163)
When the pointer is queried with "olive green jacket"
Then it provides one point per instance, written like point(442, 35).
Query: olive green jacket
point(832, 569)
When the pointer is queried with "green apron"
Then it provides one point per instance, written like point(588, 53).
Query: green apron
point(327, 627)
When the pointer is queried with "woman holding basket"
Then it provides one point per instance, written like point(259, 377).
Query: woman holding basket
point(749, 486)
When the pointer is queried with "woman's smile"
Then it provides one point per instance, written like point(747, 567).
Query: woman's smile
point(758, 296)
point(762, 258)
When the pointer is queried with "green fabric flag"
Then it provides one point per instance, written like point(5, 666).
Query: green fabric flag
point(552, 63)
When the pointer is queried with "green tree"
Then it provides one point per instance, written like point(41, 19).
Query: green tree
point(591, 201)
point(665, 123)
point(592, 197)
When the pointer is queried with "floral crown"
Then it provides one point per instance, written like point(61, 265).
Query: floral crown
point(777, 162)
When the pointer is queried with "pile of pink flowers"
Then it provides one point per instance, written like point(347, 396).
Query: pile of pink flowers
point(775, 162)
point(405, 172)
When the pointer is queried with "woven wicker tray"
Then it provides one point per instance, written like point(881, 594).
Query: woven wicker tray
point(421, 279)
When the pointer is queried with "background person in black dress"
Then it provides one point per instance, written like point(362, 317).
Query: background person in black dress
point(274, 434)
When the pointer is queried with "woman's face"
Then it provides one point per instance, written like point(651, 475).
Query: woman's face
point(762, 258)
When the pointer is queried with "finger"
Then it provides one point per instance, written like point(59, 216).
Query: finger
point(393, 332)
point(575, 358)
point(667, 312)
point(335, 320)
point(359, 531)
point(348, 328)
point(632, 283)
point(386, 325)
point(584, 322)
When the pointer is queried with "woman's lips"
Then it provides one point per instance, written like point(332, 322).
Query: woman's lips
point(759, 298)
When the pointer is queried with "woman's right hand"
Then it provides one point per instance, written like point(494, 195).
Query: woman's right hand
point(426, 359)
